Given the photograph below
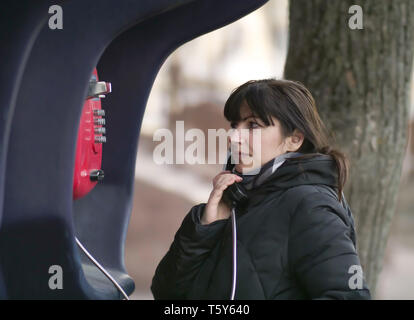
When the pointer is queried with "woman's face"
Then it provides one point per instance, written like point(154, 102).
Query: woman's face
point(259, 143)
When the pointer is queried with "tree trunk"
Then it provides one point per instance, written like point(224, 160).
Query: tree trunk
point(360, 80)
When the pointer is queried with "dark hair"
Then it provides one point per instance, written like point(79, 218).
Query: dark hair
point(291, 103)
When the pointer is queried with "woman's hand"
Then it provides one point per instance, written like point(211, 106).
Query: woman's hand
point(216, 208)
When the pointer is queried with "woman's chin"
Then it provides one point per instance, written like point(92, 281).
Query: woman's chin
point(241, 168)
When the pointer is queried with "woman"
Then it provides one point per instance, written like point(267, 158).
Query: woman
point(295, 234)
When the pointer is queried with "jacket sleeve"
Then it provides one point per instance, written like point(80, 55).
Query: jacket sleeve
point(192, 244)
point(322, 254)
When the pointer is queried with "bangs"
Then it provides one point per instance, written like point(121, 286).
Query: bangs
point(258, 97)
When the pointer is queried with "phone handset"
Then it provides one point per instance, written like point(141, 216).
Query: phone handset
point(235, 194)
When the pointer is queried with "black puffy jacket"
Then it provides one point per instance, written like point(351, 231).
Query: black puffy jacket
point(294, 241)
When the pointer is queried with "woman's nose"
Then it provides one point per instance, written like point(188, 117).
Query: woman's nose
point(235, 136)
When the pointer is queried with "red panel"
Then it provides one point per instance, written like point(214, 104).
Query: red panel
point(88, 152)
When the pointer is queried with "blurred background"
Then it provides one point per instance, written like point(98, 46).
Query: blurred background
point(193, 85)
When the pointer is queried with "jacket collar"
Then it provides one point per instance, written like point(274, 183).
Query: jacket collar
point(252, 181)
point(316, 169)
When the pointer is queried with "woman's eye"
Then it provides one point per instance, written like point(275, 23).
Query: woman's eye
point(253, 125)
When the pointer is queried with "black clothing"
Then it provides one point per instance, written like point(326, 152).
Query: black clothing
point(295, 240)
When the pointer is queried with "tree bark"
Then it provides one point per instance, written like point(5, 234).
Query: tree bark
point(360, 80)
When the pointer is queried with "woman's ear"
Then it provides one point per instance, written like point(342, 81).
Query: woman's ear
point(294, 142)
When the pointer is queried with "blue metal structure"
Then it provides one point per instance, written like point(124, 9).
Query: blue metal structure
point(43, 83)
